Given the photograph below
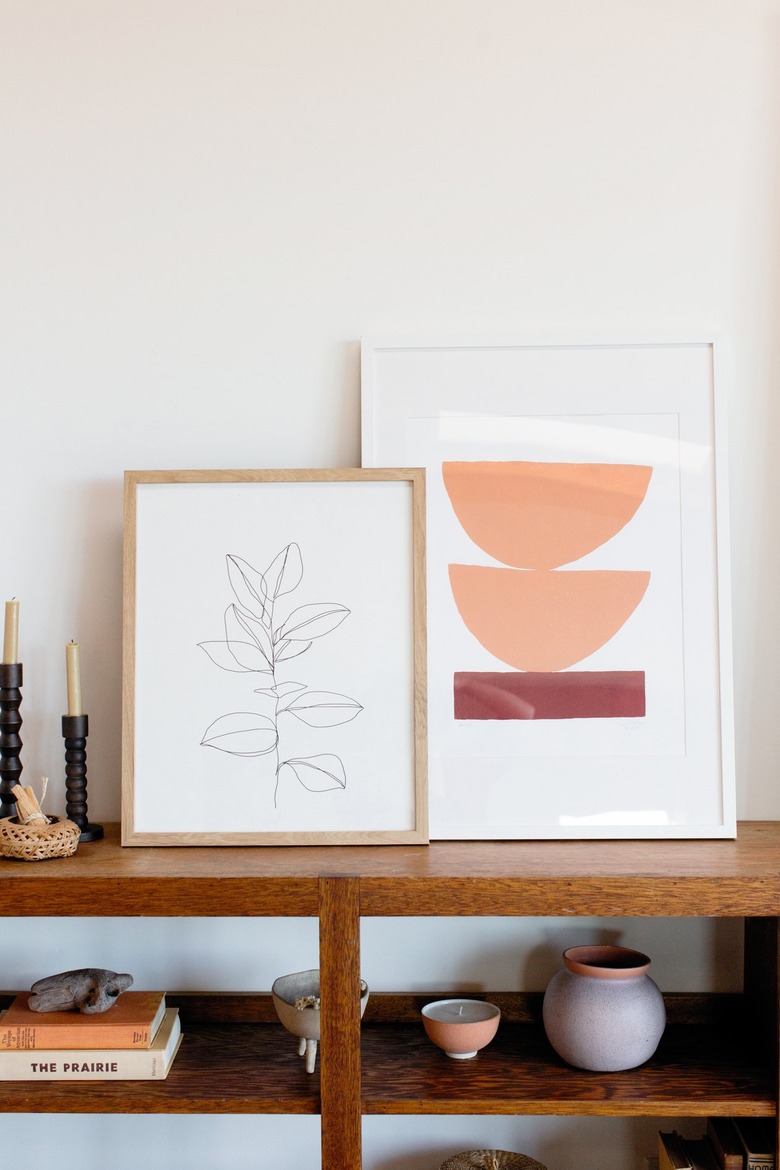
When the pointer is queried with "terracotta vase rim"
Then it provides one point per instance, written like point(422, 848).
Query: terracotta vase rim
point(606, 961)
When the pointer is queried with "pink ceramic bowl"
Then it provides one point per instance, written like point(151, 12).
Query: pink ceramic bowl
point(461, 1026)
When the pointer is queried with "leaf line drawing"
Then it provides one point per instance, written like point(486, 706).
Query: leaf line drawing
point(256, 641)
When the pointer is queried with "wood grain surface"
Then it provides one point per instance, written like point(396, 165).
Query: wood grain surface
point(237, 1058)
point(731, 878)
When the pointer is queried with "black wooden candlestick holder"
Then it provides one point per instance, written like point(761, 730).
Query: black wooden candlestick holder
point(10, 740)
point(75, 729)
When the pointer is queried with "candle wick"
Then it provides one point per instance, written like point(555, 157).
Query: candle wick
point(460, 1010)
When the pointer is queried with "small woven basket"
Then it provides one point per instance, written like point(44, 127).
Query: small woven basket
point(38, 841)
point(491, 1160)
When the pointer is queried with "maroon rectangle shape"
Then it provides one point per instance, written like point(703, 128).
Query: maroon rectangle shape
point(580, 694)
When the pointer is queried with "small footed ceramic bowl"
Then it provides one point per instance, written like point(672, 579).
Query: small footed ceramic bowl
point(461, 1026)
point(297, 1001)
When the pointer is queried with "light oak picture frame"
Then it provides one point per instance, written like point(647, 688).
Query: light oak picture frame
point(274, 657)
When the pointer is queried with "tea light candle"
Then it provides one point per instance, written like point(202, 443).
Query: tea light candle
point(460, 1011)
point(11, 632)
point(73, 669)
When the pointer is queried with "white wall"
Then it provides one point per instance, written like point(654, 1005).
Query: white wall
point(205, 204)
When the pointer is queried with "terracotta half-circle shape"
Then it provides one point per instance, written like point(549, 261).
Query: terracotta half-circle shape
point(545, 619)
point(543, 515)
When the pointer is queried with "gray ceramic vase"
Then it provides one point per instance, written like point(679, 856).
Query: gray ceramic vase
point(602, 1011)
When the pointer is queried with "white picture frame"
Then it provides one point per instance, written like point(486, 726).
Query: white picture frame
point(658, 760)
point(274, 658)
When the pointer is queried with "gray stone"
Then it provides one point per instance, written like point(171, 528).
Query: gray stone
point(90, 990)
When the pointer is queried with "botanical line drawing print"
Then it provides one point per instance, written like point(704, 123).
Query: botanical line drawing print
point(257, 640)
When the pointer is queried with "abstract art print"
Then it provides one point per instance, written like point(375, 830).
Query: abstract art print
point(274, 687)
point(579, 671)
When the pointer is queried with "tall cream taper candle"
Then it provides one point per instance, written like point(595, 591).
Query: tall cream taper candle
point(73, 669)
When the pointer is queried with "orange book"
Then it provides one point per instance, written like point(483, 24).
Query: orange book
point(131, 1022)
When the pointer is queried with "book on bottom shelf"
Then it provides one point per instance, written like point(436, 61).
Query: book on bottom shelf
point(679, 1153)
point(726, 1143)
point(758, 1142)
point(730, 1143)
point(131, 1022)
point(671, 1155)
point(97, 1064)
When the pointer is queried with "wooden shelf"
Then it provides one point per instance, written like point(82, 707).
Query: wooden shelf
point(236, 1058)
point(229, 1068)
point(696, 1071)
point(524, 878)
point(250, 1068)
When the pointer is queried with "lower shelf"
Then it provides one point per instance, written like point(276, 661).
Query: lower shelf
point(236, 1058)
point(704, 1065)
point(229, 1068)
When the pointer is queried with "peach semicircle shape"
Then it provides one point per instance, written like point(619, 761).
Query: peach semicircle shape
point(543, 515)
point(545, 619)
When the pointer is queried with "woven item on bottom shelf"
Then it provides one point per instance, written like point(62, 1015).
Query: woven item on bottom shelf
point(491, 1160)
point(38, 841)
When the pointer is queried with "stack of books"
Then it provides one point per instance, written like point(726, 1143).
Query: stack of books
point(730, 1143)
point(136, 1039)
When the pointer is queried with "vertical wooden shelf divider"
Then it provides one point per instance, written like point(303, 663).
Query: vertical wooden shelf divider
point(340, 1080)
point(761, 989)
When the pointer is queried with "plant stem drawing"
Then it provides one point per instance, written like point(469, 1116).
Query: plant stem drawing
point(257, 640)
